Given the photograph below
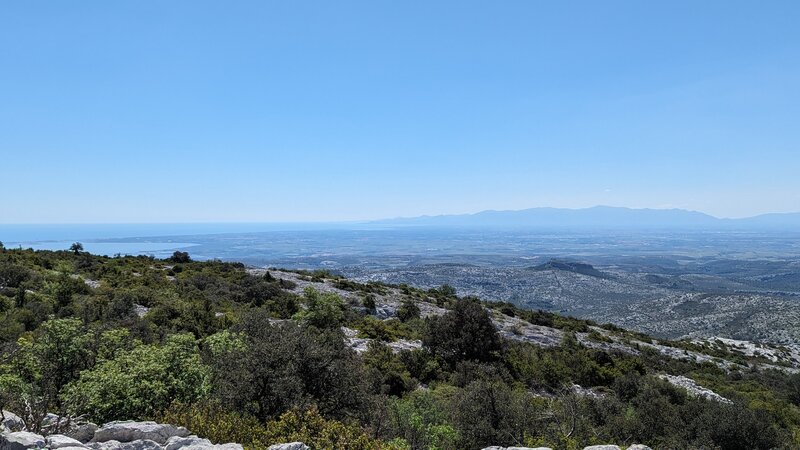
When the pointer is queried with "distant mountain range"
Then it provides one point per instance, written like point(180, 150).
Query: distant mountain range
point(600, 217)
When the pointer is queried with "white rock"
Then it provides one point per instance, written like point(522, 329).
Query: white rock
point(176, 442)
point(639, 447)
point(140, 444)
point(196, 443)
point(55, 441)
point(289, 446)
point(140, 310)
point(694, 389)
point(107, 445)
point(230, 446)
point(12, 422)
point(602, 447)
point(21, 440)
point(516, 448)
point(84, 432)
point(133, 431)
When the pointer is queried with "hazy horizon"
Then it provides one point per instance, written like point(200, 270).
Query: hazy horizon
point(391, 218)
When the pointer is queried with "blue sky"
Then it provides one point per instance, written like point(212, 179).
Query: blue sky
point(182, 111)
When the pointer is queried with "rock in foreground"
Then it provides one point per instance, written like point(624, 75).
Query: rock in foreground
point(135, 431)
point(21, 440)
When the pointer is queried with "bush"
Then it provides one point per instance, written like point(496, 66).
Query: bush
point(180, 257)
point(408, 310)
point(464, 333)
point(324, 310)
point(284, 365)
point(139, 383)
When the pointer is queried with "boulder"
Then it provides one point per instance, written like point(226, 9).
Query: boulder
point(83, 432)
point(176, 442)
point(289, 446)
point(196, 443)
point(230, 446)
point(55, 441)
point(53, 422)
point(21, 440)
point(107, 445)
point(137, 444)
point(516, 448)
point(12, 422)
point(602, 447)
point(140, 444)
point(639, 447)
point(128, 431)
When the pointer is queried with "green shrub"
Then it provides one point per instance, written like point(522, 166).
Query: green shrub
point(139, 383)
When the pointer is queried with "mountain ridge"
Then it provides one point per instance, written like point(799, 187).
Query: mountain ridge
point(598, 217)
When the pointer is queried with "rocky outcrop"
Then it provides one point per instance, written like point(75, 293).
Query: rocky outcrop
point(196, 443)
point(21, 440)
point(135, 431)
point(694, 389)
point(360, 345)
point(126, 435)
point(289, 446)
point(11, 422)
point(82, 432)
point(517, 448)
point(591, 447)
point(55, 441)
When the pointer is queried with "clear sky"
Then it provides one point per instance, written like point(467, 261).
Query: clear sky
point(181, 111)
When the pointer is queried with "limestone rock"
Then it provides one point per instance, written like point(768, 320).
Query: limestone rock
point(137, 444)
point(229, 446)
point(55, 441)
point(289, 446)
point(12, 422)
point(140, 444)
point(129, 431)
point(83, 432)
point(516, 448)
point(602, 447)
point(176, 442)
point(196, 443)
point(694, 389)
point(21, 440)
point(107, 445)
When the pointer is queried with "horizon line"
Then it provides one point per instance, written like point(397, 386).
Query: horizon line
point(384, 219)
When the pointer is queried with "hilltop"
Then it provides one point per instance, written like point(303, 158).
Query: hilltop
point(261, 356)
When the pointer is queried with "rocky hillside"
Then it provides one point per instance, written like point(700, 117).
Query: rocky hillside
point(129, 435)
point(262, 357)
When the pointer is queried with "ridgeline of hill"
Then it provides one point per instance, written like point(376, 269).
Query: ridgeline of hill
point(261, 356)
point(571, 266)
point(600, 217)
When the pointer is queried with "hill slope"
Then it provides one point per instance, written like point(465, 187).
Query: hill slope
point(261, 356)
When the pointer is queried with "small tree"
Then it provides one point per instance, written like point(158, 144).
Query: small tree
point(180, 257)
point(369, 302)
point(76, 248)
point(465, 333)
point(408, 310)
point(325, 309)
